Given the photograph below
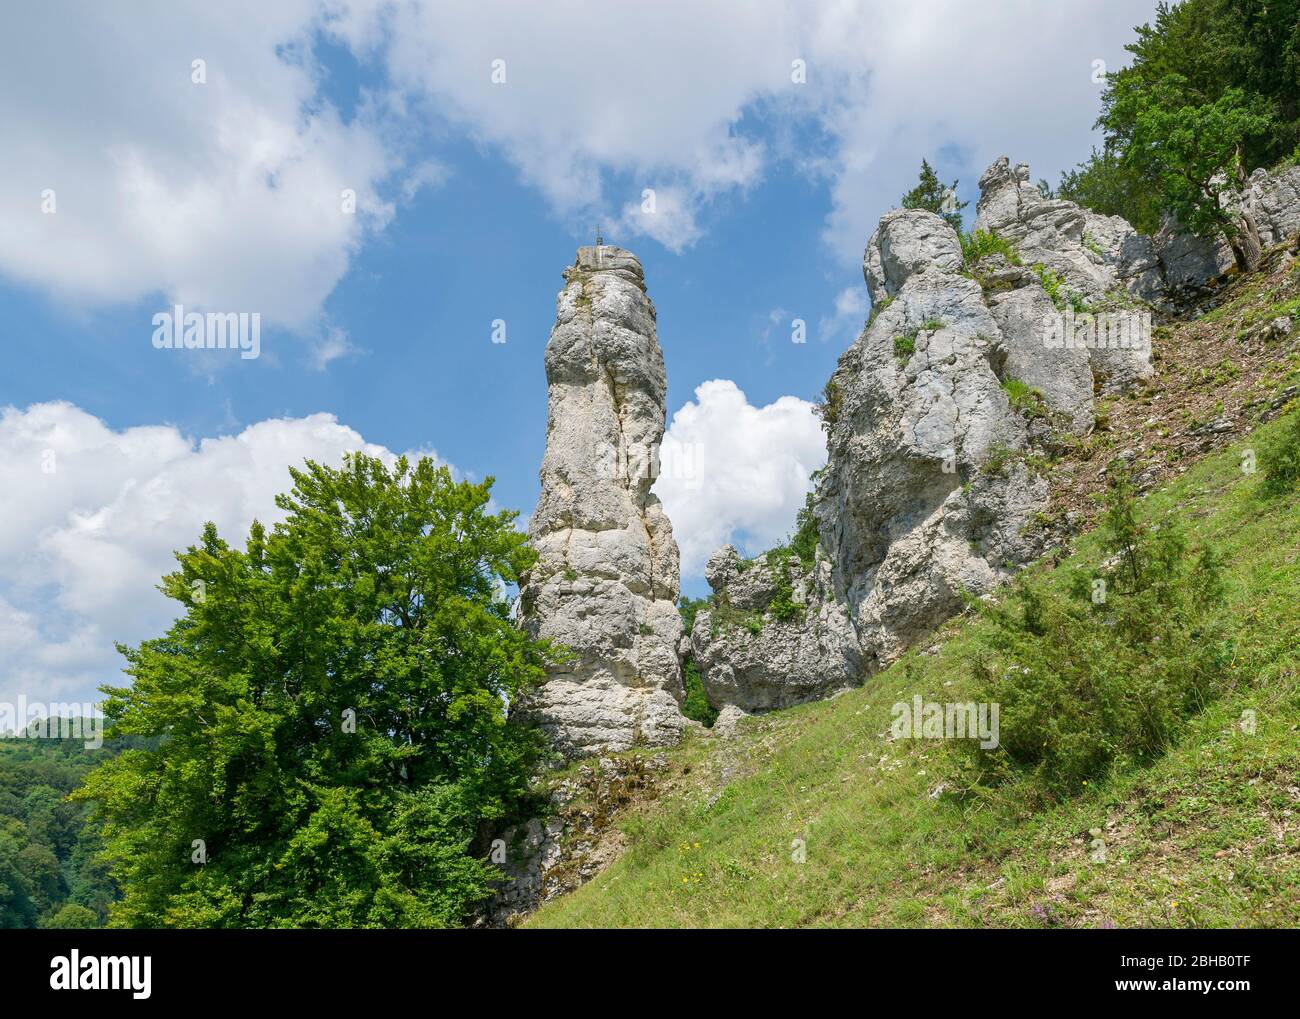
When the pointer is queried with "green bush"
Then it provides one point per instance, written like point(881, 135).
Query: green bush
point(829, 409)
point(1281, 461)
point(982, 243)
point(783, 607)
point(1105, 673)
point(697, 706)
point(804, 541)
point(905, 346)
point(1061, 296)
point(1025, 399)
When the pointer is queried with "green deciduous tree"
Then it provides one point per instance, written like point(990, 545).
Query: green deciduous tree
point(1211, 69)
point(1195, 151)
point(332, 710)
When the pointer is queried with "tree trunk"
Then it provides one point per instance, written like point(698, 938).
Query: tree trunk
point(1252, 249)
point(1238, 253)
point(1247, 248)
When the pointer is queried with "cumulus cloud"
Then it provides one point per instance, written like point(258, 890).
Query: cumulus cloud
point(733, 472)
point(123, 177)
point(93, 515)
point(701, 98)
point(570, 91)
point(227, 194)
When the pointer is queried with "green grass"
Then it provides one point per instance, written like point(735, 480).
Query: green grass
point(982, 243)
point(905, 346)
point(1061, 296)
point(1206, 835)
point(1024, 398)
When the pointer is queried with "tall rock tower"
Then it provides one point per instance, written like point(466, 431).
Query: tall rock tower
point(606, 580)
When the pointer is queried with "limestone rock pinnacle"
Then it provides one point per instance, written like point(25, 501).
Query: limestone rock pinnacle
point(606, 581)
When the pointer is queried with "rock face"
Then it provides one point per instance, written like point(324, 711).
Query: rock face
point(1101, 262)
point(606, 581)
point(546, 857)
point(754, 660)
point(971, 374)
point(1189, 262)
point(974, 369)
point(1094, 254)
point(926, 492)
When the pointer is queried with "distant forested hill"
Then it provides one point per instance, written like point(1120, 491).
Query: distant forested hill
point(48, 873)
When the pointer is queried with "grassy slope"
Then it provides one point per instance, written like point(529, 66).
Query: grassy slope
point(1207, 836)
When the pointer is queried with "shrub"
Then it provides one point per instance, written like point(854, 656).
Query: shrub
point(1025, 399)
point(905, 346)
point(1281, 461)
point(982, 243)
point(829, 409)
point(1102, 675)
point(1000, 457)
point(783, 607)
point(696, 705)
point(1061, 296)
point(804, 541)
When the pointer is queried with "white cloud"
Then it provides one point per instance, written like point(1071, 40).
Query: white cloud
point(83, 545)
point(654, 93)
point(961, 83)
point(225, 195)
point(736, 473)
point(623, 95)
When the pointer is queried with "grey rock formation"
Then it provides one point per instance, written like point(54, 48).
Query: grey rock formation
point(1275, 201)
point(926, 493)
point(754, 661)
point(1095, 254)
point(579, 836)
point(1190, 262)
point(905, 245)
point(606, 581)
point(1101, 260)
point(966, 375)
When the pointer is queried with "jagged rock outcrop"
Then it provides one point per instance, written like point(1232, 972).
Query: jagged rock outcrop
point(926, 492)
point(546, 857)
point(970, 374)
point(606, 581)
point(1095, 254)
point(977, 367)
point(1101, 261)
point(1190, 262)
point(756, 660)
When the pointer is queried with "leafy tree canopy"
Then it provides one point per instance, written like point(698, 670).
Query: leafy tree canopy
point(1222, 78)
point(333, 713)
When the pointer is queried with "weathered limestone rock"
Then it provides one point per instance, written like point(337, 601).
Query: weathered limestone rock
point(579, 836)
point(606, 581)
point(925, 493)
point(939, 418)
point(1190, 262)
point(753, 661)
point(1101, 260)
point(905, 245)
point(1095, 254)
point(1275, 201)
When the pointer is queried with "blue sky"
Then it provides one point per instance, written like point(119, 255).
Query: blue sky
point(471, 198)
